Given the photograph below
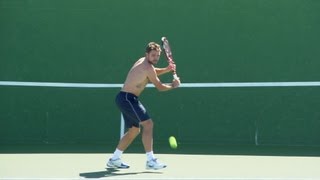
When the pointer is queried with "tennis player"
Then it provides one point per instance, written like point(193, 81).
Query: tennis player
point(134, 113)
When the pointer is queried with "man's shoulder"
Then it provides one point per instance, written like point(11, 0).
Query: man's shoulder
point(149, 68)
point(145, 65)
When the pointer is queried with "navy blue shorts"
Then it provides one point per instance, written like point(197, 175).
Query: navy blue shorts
point(132, 110)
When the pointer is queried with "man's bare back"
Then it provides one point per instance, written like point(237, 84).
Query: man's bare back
point(137, 78)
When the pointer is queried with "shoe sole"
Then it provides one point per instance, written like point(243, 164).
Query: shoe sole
point(152, 168)
point(116, 167)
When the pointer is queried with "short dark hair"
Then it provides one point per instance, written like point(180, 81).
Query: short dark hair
point(153, 46)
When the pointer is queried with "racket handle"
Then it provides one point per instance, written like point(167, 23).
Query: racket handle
point(175, 76)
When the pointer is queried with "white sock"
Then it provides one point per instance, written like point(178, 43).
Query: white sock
point(150, 156)
point(117, 154)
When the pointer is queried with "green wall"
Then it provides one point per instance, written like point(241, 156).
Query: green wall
point(97, 41)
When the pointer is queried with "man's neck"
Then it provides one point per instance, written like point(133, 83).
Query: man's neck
point(147, 61)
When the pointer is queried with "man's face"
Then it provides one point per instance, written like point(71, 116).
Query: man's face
point(153, 56)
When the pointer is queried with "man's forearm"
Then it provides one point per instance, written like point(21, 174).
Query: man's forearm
point(166, 87)
point(161, 71)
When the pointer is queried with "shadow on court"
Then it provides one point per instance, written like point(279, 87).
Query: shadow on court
point(110, 172)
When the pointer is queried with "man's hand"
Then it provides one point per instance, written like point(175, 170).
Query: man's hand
point(176, 83)
point(171, 67)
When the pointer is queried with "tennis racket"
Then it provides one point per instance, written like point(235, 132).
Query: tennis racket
point(168, 53)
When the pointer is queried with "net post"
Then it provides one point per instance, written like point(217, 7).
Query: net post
point(121, 126)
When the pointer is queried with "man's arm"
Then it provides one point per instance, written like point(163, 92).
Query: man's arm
point(152, 76)
point(161, 71)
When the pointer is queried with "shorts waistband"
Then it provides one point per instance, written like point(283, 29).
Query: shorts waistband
point(128, 93)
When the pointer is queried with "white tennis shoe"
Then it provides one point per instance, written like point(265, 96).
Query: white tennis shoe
point(155, 165)
point(117, 163)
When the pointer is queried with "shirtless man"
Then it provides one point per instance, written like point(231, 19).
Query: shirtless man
point(134, 112)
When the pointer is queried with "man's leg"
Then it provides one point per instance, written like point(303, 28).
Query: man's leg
point(147, 139)
point(147, 135)
point(125, 141)
point(128, 137)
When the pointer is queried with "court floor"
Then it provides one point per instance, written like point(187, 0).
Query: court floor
point(92, 166)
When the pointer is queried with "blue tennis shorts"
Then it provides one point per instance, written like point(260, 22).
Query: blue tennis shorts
point(132, 110)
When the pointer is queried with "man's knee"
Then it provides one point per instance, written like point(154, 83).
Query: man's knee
point(134, 131)
point(148, 124)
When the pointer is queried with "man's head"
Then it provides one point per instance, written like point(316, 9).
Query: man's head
point(153, 51)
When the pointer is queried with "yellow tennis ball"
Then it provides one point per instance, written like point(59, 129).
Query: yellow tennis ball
point(173, 142)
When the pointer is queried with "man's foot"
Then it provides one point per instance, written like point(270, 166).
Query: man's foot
point(155, 165)
point(117, 163)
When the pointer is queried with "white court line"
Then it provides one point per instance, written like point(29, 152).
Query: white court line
point(158, 178)
point(183, 85)
point(59, 84)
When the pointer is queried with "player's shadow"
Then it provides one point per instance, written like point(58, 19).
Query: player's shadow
point(113, 172)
